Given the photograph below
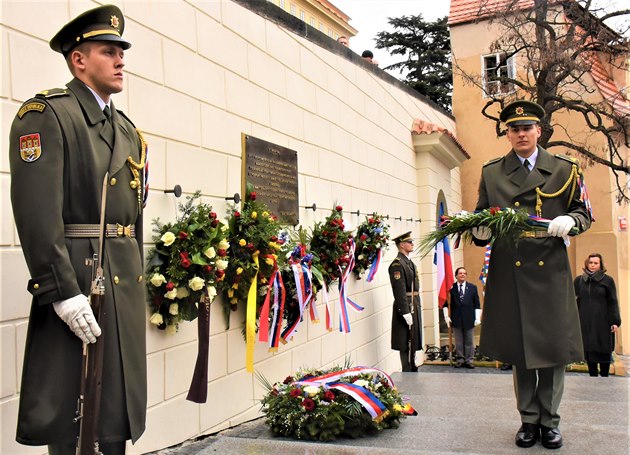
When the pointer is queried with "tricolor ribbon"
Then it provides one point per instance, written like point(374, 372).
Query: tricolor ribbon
point(584, 195)
point(277, 287)
point(250, 319)
point(366, 398)
point(344, 300)
point(374, 266)
point(278, 312)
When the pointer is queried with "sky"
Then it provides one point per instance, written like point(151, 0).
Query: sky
point(370, 17)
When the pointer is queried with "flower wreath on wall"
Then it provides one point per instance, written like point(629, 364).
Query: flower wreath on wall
point(186, 264)
point(325, 404)
point(252, 272)
point(371, 240)
point(184, 268)
point(334, 248)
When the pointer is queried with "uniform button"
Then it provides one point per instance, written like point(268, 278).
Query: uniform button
point(116, 279)
point(140, 279)
point(112, 182)
point(541, 263)
point(517, 263)
point(133, 184)
point(36, 286)
point(517, 204)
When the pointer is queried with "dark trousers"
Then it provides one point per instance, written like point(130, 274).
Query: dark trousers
point(604, 368)
point(69, 448)
point(406, 364)
point(538, 394)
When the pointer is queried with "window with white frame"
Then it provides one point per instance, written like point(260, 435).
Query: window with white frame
point(494, 67)
point(281, 4)
point(302, 16)
point(293, 9)
point(312, 22)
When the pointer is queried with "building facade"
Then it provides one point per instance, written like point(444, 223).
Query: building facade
point(199, 75)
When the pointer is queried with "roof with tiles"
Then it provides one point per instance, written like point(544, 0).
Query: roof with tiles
point(422, 127)
point(465, 11)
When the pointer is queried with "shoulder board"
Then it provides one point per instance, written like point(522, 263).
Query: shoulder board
point(567, 158)
point(495, 160)
point(30, 106)
point(51, 93)
point(125, 116)
point(396, 261)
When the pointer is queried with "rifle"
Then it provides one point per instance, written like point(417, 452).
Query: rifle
point(89, 402)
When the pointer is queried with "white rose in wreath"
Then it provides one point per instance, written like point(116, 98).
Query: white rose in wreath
point(196, 283)
point(157, 280)
point(168, 238)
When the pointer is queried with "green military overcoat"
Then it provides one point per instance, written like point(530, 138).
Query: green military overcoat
point(530, 317)
point(56, 180)
point(404, 280)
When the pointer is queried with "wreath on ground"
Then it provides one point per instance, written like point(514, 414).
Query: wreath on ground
point(326, 404)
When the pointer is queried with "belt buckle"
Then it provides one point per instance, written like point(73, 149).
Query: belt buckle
point(123, 230)
point(529, 234)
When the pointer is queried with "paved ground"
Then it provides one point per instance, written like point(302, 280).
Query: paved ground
point(459, 411)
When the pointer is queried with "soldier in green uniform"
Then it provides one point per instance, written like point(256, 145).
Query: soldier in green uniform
point(406, 317)
point(62, 144)
point(530, 316)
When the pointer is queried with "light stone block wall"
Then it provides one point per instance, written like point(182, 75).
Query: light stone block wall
point(199, 74)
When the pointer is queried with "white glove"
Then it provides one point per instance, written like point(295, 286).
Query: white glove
point(446, 318)
point(76, 312)
point(408, 319)
point(481, 232)
point(477, 317)
point(560, 226)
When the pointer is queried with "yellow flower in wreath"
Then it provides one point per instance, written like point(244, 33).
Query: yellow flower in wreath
point(239, 270)
point(173, 309)
point(254, 215)
point(230, 293)
point(242, 242)
point(235, 286)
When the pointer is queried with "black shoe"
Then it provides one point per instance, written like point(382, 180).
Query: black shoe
point(506, 367)
point(527, 435)
point(468, 365)
point(551, 437)
point(458, 365)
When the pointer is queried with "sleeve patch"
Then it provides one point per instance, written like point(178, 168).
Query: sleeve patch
point(397, 275)
point(30, 147)
point(32, 106)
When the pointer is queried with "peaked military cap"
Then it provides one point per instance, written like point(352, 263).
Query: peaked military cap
point(105, 23)
point(403, 238)
point(522, 113)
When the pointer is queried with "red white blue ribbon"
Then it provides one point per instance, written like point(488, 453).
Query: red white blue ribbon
point(344, 300)
point(374, 266)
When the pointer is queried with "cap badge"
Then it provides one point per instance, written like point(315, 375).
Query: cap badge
point(114, 22)
point(519, 111)
point(30, 147)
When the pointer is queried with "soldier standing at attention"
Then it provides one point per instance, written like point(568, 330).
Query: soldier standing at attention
point(62, 144)
point(406, 318)
point(530, 316)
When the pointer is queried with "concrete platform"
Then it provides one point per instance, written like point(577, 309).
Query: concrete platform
point(459, 411)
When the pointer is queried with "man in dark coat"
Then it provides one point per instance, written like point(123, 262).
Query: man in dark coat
point(463, 314)
point(62, 144)
point(406, 317)
point(530, 316)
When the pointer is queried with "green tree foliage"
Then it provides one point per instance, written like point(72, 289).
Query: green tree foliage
point(427, 49)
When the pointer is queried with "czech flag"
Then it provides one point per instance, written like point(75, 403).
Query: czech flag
point(442, 259)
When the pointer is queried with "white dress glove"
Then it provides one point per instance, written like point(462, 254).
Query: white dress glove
point(481, 232)
point(77, 313)
point(560, 226)
point(446, 318)
point(408, 319)
point(477, 317)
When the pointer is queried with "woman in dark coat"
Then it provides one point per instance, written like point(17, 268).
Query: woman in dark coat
point(599, 313)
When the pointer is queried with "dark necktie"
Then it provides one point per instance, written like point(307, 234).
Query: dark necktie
point(107, 132)
point(526, 166)
point(461, 292)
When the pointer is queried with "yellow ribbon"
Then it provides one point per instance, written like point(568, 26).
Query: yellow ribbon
point(250, 321)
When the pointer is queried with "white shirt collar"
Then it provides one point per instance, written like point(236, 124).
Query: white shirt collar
point(531, 159)
point(99, 100)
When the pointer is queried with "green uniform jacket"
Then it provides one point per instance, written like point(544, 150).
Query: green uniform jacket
point(63, 186)
point(402, 276)
point(530, 317)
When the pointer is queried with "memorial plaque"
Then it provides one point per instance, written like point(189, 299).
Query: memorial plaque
point(272, 171)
